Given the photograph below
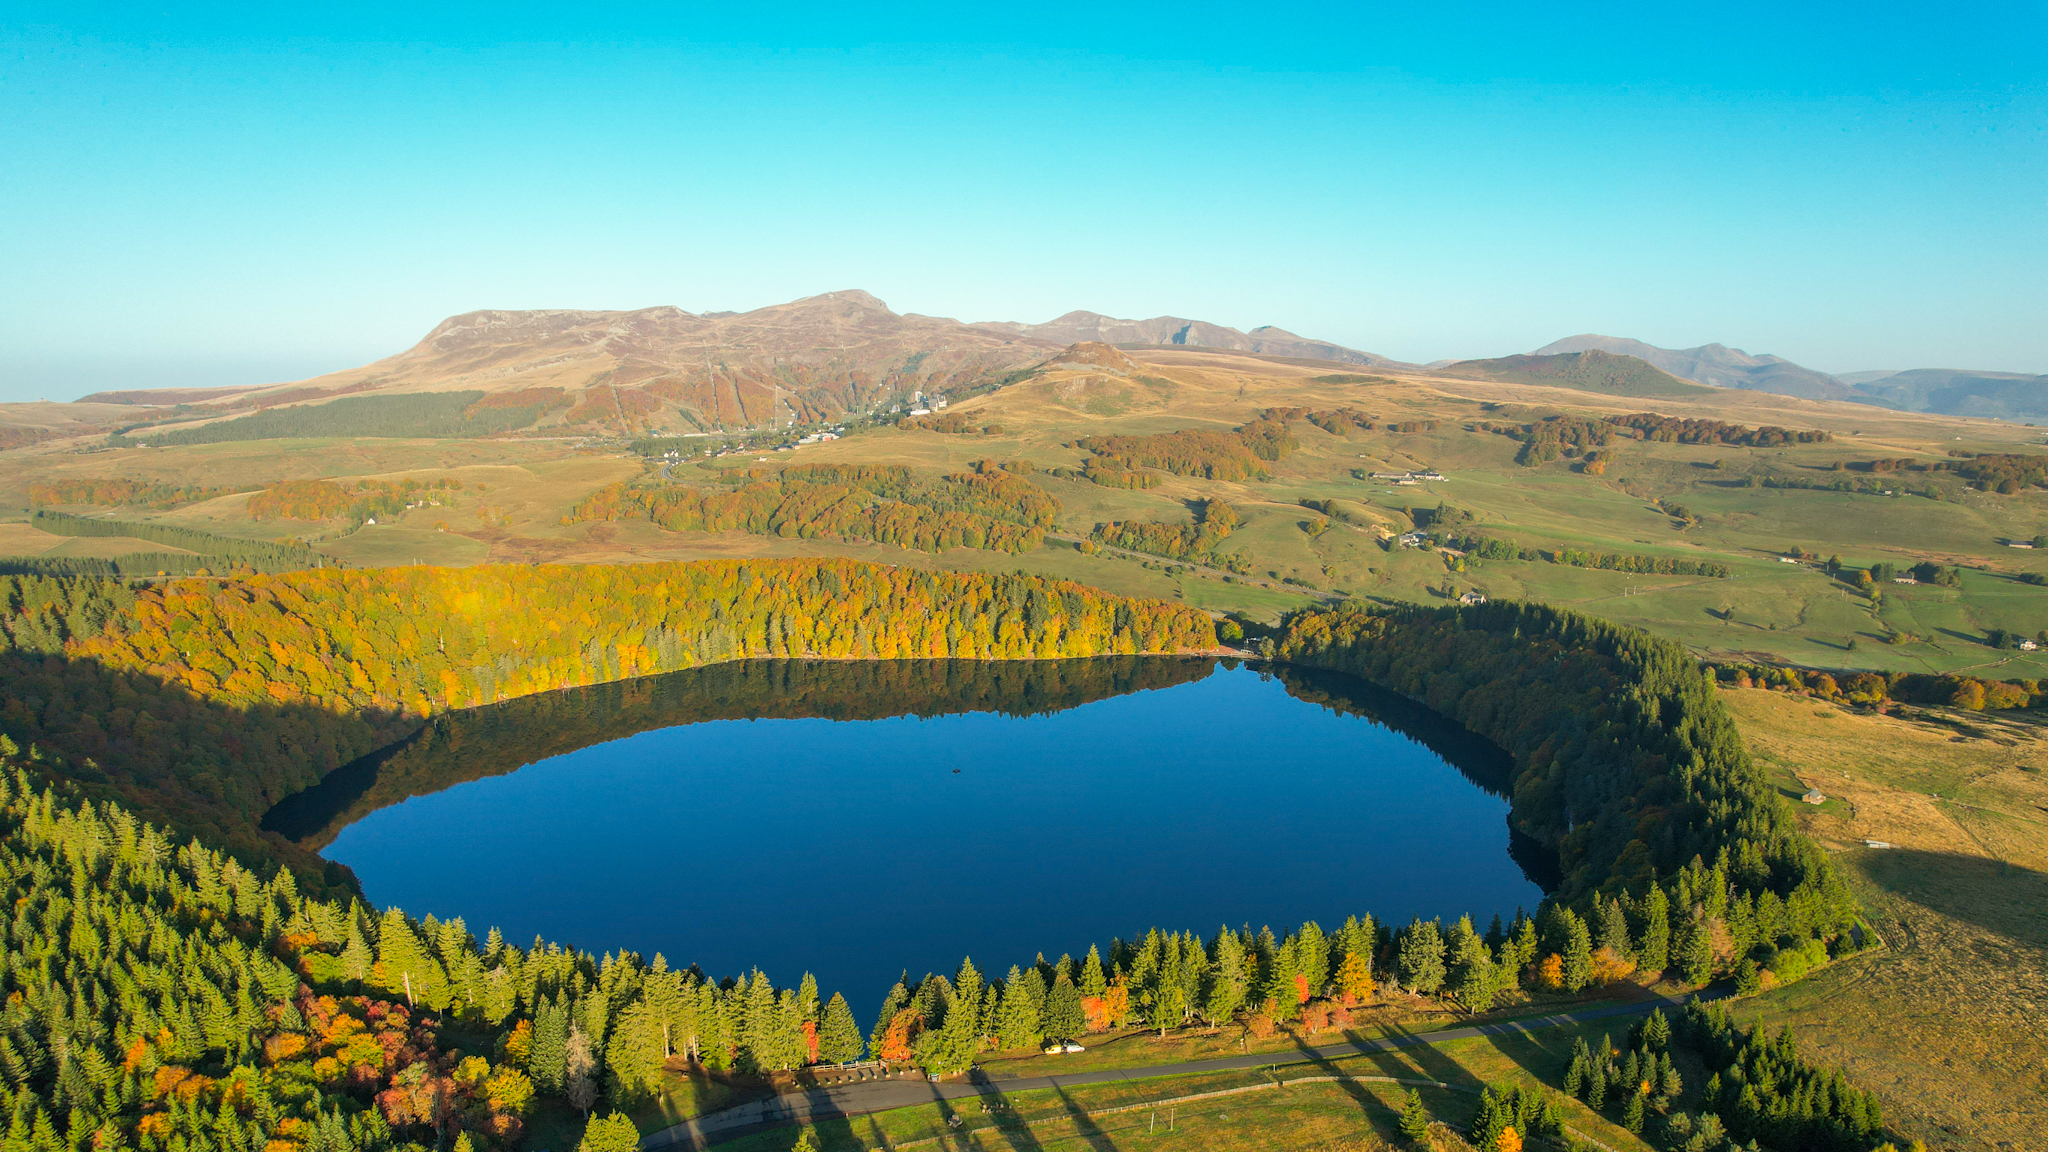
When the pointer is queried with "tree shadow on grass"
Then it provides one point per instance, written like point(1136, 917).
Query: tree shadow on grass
point(1997, 896)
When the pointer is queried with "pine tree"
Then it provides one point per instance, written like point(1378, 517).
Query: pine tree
point(1421, 963)
point(1415, 1118)
point(1491, 1118)
point(807, 998)
point(1612, 929)
point(1577, 954)
point(1226, 987)
point(547, 1060)
point(1018, 1024)
point(1471, 974)
point(1093, 982)
point(1064, 1017)
point(1695, 950)
point(1653, 943)
point(838, 1035)
point(1632, 1115)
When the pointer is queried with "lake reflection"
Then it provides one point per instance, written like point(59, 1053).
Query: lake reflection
point(994, 810)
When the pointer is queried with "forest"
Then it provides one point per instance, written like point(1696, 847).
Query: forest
point(403, 416)
point(992, 509)
point(223, 552)
point(1673, 429)
point(111, 493)
point(1628, 763)
point(1214, 520)
point(1239, 455)
point(164, 998)
point(1495, 548)
point(1874, 689)
point(203, 703)
point(328, 499)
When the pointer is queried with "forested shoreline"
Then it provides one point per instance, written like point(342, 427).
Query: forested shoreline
point(204, 702)
point(174, 999)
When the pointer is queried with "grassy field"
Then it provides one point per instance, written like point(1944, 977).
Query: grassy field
point(516, 492)
point(1351, 1113)
point(1947, 1024)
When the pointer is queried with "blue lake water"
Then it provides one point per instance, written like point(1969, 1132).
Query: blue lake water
point(856, 849)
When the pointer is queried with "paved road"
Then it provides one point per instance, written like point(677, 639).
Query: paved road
point(859, 1099)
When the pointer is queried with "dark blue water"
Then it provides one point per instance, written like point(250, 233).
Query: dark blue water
point(858, 849)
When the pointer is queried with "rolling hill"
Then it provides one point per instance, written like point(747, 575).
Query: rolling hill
point(1957, 392)
point(1589, 371)
point(1714, 364)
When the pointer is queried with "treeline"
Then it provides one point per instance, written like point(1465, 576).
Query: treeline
point(1239, 455)
point(1762, 1089)
point(1553, 436)
point(1495, 548)
point(1214, 521)
point(328, 499)
point(163, 998)
point(213, 550)
point(472, 743)
point(206, 702)
point(995, 510)
point(1856, 487)
point(1674, 430)
point(404, 416)
point(1109, 474)
point(951, 423)
point(2004, 473)
point(1871, 689)
point(113, 493)
point(1628, 764)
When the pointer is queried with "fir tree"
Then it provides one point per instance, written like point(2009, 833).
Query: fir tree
point(1653, 942)
point(1632, 1115)
point(1226, 986)
point(1064, 1016)
point(1577, 953)
point(1093, 982)
point(1414, 1118)
point(547, 1061)
point(1612, 929)
point(838, 1035)
point(1695, 950)
point(1421, 963)
point(1017, 1025)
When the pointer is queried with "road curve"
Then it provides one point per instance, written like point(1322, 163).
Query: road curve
point(848, 1100)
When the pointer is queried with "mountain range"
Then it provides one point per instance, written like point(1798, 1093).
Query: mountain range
point(1175, 331)
point(826, 356)
point(1947, 391)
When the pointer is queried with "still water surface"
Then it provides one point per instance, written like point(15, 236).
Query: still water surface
point(858, 848)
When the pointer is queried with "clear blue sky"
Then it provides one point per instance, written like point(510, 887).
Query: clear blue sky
point(196, 194)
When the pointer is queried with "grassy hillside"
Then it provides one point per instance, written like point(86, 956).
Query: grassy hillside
point(1589, 371)
point(1744, 506)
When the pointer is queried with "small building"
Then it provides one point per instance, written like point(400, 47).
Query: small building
point(2028, 645)
point(1904, 580)
point(1815, 796)
point(1787, 560)
point(2019, 544)
point(1472, 598)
